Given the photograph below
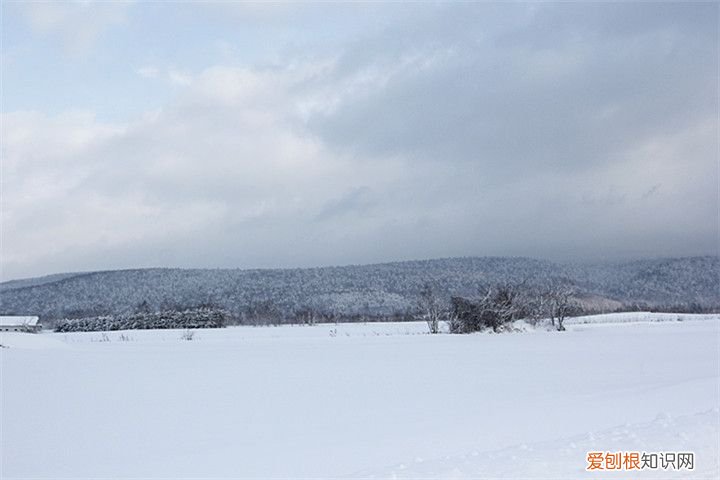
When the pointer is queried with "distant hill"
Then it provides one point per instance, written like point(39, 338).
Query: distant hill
point(30, 282)
point(688, 284)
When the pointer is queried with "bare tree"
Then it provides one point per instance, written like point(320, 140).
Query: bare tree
point(505, 302)
point(430, 308)
point(560, 304)
point(537, 307)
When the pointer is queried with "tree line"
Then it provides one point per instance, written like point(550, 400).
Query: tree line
point(188, 319)
point(493, 307)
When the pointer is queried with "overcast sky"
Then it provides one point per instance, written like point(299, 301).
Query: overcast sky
point(250, 135)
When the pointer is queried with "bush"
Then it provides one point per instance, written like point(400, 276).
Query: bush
point(499, 306)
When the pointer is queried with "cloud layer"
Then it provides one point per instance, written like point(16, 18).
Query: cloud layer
point(564, 131)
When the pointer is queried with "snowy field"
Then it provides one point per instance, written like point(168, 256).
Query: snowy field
point(360, 401)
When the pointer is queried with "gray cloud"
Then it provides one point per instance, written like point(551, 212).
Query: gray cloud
point(514, 102)
point(355, 201)
point(564, 131)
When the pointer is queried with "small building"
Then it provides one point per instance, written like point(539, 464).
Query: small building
point(11, 323)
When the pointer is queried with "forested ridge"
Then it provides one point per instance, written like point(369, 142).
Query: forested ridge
point(376, 292)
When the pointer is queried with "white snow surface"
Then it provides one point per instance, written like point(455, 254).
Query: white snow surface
point(359, 401)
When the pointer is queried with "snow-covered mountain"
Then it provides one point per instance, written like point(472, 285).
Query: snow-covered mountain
point(682, 284)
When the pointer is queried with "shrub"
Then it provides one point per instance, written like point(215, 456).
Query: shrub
point(497, 307)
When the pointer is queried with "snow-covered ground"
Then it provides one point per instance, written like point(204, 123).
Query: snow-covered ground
point(360, 401)
point(634, 317)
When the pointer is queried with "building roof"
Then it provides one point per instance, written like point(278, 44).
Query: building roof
point(12, 321)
